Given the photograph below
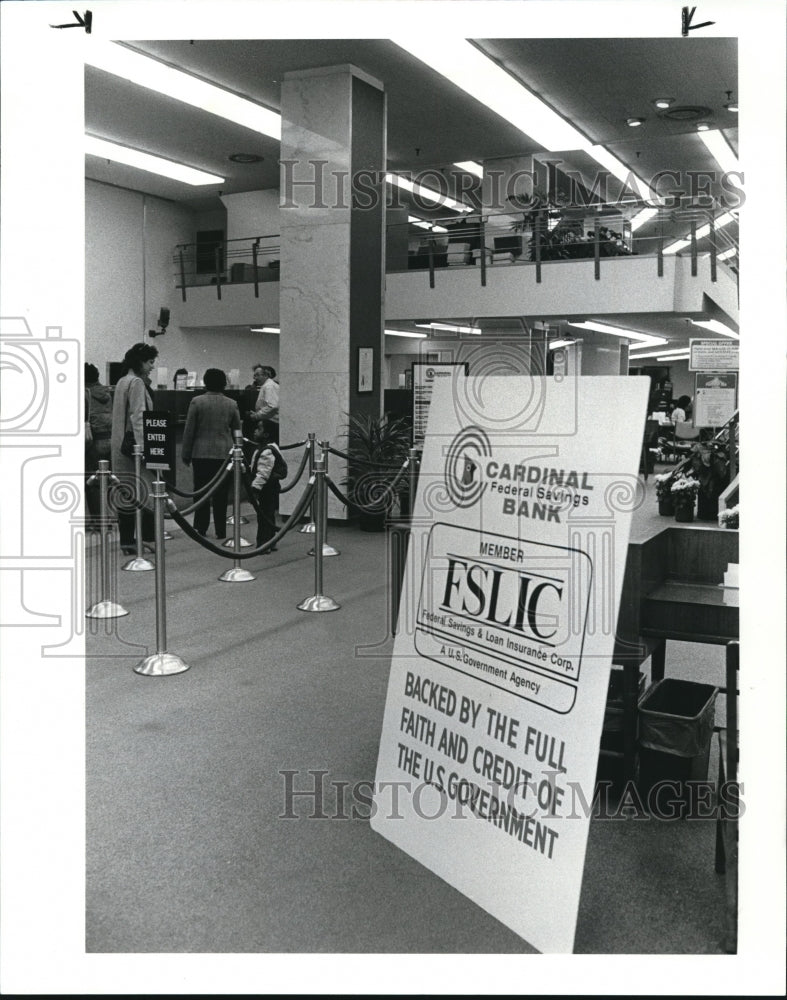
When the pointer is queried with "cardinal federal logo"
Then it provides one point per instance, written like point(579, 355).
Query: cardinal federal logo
point(463, 465)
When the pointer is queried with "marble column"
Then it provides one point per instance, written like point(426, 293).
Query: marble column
point(332, 200)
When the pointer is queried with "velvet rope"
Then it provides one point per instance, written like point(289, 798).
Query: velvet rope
point(227, 553)
point(215, 484)
point(185, 493)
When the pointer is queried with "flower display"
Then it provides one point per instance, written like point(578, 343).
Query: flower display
point(729, 518)
point(685, 489)
point(662, 480)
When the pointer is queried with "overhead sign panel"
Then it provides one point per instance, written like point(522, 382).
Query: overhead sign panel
point(501, 663)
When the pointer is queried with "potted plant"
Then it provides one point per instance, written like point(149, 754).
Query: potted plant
point(377, 448)
point(728, 518)
point(709, 468)
point(664, 494)
point(684, 494)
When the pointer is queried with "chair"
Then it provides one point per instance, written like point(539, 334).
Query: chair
point(726, 861)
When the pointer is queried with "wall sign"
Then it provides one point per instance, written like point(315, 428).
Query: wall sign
point(365, 369)
point(425, 374)
point(714, 398)
point(158, 439)
point(714, 355)
point(506, 630)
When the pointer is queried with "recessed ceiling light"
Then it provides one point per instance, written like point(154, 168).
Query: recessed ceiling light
point(245, 158)
point(147, 161)
point(703, 126)
point(662, 103)
point(732, 106)
point(634, 122)
point(265, 329)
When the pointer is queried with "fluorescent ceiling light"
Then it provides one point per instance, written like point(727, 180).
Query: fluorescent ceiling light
point(674, 357)
point(265, 329)
point(642, 217)
point(553, 346)
point(678, 245)
point(449, 327)
point(155, 75)
point(147, 161)
point(646, 339)
point(405, 333)
point(720, 150)
point(426, 225)
point(471, 167)
point(659, 354)
point(459, 61)
point(716, 327)
point(466, 66)
point(427, 193)
point(727, 254)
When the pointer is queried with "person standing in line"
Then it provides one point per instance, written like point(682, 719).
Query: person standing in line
point(266, 411)
point(98, 438)
point(207, 443)
point(268, 468)
point(132, 398)
point(249, 400)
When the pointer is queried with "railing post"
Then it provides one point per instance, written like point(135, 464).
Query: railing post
point(161, 662)
point(431, 263)
point(537, 245)
point(138, 564)
point(236, 542)
point(105, 607)
point(327, 550)
point(597, 249)
point(310, 526)
point(660, 248)
point(482, 242)
point(712, 248)
point(254, 248)
point(693, 249)
point(218, 271)
point(318, 601)
point(182, 273)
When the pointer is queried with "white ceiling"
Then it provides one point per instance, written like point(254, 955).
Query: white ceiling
point(595, 83)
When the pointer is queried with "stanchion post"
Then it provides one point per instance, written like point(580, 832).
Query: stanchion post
point(310, 527)
point(236, 542)
point(160, 663)
point(327, 550)
point(138, 564)
point(412, 478)
point(104, 607)
point(238, 435)
point(318, 601)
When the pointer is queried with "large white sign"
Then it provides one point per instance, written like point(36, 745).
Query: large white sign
point(506, 628)
point(714, 398)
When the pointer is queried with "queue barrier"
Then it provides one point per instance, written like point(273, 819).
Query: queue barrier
point(105, 607)
point(138, 563)
point(327, 549)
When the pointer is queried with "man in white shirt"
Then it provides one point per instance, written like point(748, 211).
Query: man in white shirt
point(266, 411)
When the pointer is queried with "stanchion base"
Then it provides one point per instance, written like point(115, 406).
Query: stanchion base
point(139, 564)
point(319, 602)
point(237, 575)
point(161, 664)
point(168, 537)
point(308, 529)
point(106, 609)
point(327, 550)
point(230, 544)
point(243, 520)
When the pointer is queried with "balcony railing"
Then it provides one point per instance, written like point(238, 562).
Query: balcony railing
point(534, 238)
point(249, 260)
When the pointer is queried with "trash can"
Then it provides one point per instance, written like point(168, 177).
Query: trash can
point(676, 720)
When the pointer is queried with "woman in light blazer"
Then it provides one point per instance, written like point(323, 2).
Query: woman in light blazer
point(132, 398)
point(207, 443)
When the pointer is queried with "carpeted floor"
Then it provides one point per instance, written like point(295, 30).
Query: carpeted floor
point(187, 847)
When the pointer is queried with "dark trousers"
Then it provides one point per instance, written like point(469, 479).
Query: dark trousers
point(204, 469)
point(267, 501)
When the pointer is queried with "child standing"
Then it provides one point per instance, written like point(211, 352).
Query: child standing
point(268, 468)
